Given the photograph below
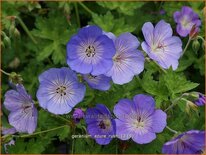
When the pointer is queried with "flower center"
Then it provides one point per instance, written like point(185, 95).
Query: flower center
point(91, 76)
point(185, 22)
point(90, 51)
point(26, 108)
point(139, 123)
point(158, 47)
point(105, 124)
point(61, 90)
point(117, 58)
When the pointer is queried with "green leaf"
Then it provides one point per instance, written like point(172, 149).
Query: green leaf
point(122, 7)
point(177, 82)
point(64, 133)
point(156, 88)
point(53, 36)
point(111, 24)
point(182, 105)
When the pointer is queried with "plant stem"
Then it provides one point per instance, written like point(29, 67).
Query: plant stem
point(116, 146)
point(86, 8)
point(26, 29)
point(5, 72)
point(77, 14)
point(174, 131)
point(188, 42)
point(73, 140)
point(40, 132)
point(175, 102)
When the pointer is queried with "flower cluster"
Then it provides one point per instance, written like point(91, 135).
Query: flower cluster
point(96, 58)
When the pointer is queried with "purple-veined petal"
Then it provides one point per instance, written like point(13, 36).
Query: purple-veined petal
point(148, 32)
point(159, 121)
point(162, 31)
point(144, 138)
point(144, 103)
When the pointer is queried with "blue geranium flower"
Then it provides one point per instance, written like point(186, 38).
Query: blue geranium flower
point(100, 124)
point(90, 51)
point(23, 113)
point(128, 61)
point(190, 142)
point(59, 90)
point(138, 119)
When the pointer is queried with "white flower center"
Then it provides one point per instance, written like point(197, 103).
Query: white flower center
point(90, 51)
point(158, 47)
point(91, 76)
point(26, 108)
point(61, 90)
point(105, 124)
point(185, 22)
point(139, 123)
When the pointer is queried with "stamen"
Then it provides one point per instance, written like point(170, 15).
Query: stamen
point(61, 90)
point(90, 51)
point(102, 125)
point(105, 124)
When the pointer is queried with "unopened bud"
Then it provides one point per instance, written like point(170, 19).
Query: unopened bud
point(14, 63)
point(194, 95)
point(7, 41)
point(11, 30)
point(195, 45)
point(6, 138)
point(190, 106)
point(16, 33)
point(2, 45)
point(15, 78)
point(66, 8)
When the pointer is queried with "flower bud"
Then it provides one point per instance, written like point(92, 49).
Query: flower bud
point(14, 63)
point(16, 33)
point(2, 45)
point(11, 30)
point(190, 106)
point(7, 138)
point(201, 100)
point(15, 78)
point(7, 41)
point(195, 45)
point(194, 95)
point(77, 115)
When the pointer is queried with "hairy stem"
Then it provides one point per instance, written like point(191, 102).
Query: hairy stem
point(188, 42)
point(26, 29)
point(73, 143)
point(86, 8)
point(174, 131)
point(77, 14)
point(40, 132)
point(175, 102)
point(8, 74)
